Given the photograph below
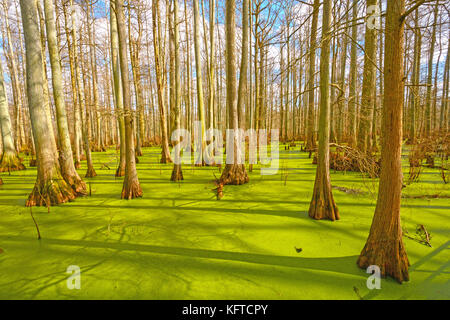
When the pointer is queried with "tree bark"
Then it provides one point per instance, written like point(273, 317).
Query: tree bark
point(90, 173)
point(414, 95)
point(322, 204)
point(353, 98)
point(177, 173)
point(428, 113)
point(384, 246)
point(165, 153)
point(118, 94)
point(50, 188)
point(234, 173)
point(369, 82)
point(310, 133)
point(66, 156)
point(198, 73)
point(10, 160)
point(131, 186)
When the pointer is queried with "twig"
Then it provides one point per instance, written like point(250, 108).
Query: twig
point(35, 223)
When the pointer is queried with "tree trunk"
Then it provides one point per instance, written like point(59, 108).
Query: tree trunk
point(165, 153)
point(443, 122)
point(353, 98)
point(99, 147)
point(322, 204)
point(428, 114)
point(310, 134)
point(66, 156)
point(75, 104)
point(198, 73)
point(131, 186)
point(369, 82)
point(10, 160)
point(244, 64)
point(90, 173)
point(177, 173)
point(384, 246)
point(414, 95)
point(17, 92)
point(50, 188)
point(234, 173)
point(134, 45)
point(118, 95)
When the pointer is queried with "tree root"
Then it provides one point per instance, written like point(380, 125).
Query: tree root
point(33, 163)
point(165, 158)
point(78, 186)
point(177, 173)
point(51, 193)
point(120, 172)
point(131, 189)
point(234, 174)
point(322, 205)
point(91, 172)
point(11, 162)
point(389, 255)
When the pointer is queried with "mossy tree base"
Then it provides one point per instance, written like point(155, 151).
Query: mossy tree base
point(11, 162)
point(50, 193)
point(78, 186)
point(177, 174)
point(234, 174)
point(322, 205)
point(33, 163)
point(97, 148)
point(131, 189)
point(91, 172)
point(389, 255)
point(165, 158)
point(120, 172)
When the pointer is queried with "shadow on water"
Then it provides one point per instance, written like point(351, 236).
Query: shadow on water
point(344, 265)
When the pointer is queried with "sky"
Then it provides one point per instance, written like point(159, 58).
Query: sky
point(301, 10)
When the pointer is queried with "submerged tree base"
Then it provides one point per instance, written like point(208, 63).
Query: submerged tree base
point(77, 165)
point(98, 149)
point(33, 163)
point(78, 186)
point(50, 193)
point(165, 158)
point(389, 255)
point(177, 173)
point(131, 189)
point(91, 173)
point(322, 205)
point(234, 174)
point(11, 162)
point(120, 172)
